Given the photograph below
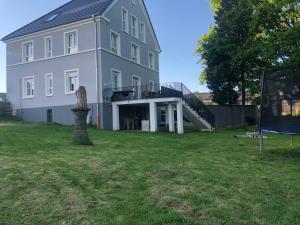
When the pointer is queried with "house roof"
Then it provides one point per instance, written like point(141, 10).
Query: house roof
point(72, 11)
point(205, 97)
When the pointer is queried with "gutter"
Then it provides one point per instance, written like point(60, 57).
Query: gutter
point(97, 73)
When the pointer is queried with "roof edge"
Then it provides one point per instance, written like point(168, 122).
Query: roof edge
point(5, 37)
point(46, 29)
point(159, 48)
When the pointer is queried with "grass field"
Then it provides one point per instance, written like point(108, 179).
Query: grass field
point(131, 178)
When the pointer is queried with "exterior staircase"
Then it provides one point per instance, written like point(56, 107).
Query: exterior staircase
point(198, 121)
point(194, 110)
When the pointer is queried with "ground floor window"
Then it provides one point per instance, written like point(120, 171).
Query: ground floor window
point(49, 116)
point(49, 84)
point(71, 81)
point(28, 87)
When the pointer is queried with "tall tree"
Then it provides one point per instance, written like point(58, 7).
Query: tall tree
point(249, 38)
point(218, 73)
point(277, 25)
point(225, 51)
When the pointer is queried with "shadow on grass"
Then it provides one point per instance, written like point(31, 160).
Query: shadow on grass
point(9, 119)
point(291, 153)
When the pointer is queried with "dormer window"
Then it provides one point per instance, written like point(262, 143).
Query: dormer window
point(28, 52)
point(52, 17)
point(71, 41)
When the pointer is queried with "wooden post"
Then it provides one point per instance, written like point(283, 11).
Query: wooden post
point(261, 138)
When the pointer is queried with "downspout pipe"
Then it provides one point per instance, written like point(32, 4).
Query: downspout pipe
point(97, 73)
point(21, 93)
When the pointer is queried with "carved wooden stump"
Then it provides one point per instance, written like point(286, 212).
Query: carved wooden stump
point(80, 136)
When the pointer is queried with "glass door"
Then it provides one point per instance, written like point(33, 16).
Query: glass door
point(136, 83)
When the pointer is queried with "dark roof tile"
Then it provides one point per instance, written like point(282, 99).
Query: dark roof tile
point(73, 11)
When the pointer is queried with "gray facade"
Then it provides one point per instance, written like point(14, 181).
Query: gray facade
point(90, 58)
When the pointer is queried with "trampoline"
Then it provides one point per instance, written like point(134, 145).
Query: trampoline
point(280, 103)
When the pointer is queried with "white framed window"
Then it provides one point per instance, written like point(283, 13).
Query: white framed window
point(125, 20)
point(135, 53)
point(48, 47)
point(133, 2)
point(116, 79)
point(28, 51)
point(151, 85)
point(136, 84)
point(143, 31)
point(134, 27)
point(71, 42)
point(28, 87)
point(71, 81)
point(115, 43)
point(49, 84)
point(151, 58)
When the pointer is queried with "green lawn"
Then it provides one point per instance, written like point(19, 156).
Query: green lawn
point(131, 178)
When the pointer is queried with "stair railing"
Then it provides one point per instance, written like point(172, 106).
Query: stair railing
point(194, 102)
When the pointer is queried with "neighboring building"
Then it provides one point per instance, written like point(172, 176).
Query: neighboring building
point(207, 98)
point(3, 97)
point(287, 108)
point(104, 45)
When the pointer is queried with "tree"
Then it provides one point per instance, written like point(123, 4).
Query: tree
point(249, 38)
point(225, 51)
point(218, 74)
point(215, 4)
point(277, 25)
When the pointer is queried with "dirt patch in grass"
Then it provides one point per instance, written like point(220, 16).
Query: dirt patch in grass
point(169, 192)
point(5, 163)
point(70, 205)
point(164, 173)
point(166, 198)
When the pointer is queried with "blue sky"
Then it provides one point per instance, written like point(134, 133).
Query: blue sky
point(178, 25)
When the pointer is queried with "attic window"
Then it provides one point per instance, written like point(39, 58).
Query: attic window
point(52, 17)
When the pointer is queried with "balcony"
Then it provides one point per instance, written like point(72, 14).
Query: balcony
point(164, 91)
